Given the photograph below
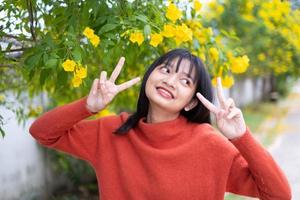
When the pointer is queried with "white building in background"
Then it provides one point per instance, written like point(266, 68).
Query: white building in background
point(23, 174)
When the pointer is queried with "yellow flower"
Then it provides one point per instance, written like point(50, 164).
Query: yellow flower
point(95, 40)
point(39, 109)
point(88, 32)
point(193, 24)
point(200, 36)
point(197, 5)
point(2, 98)
point(239, 64)
point(202, 56)
point(169, 31)
point(34, 111)
point(173, 13)
point(219, 40)
point(214, 6)
point(249, 17)
point(280, 69)
point(227, 81)
point(203, 35)
point(81, 72)
point(183, 34)
point(136, 37)
point(214, 81)
point(156, 39)
point(214, 53)
point(69, 65)
point(220, 70)
point(229, 55)
point(261, 57)
point(103, 113)
point(249, 6)
point(76, 81)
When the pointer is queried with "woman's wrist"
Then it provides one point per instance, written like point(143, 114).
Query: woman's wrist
point(91, 110)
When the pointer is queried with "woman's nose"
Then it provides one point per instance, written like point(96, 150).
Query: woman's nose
point(170, 80)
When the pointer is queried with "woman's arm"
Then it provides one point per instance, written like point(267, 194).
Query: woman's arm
point(255, 173)
point(252, 167)
point(65, 129)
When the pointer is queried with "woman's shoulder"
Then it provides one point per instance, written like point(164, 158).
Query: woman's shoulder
point(213, 137)
point(113, 121)
point(115, 118)
point(205, 129)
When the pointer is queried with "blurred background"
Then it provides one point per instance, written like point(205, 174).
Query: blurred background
point(51, 51)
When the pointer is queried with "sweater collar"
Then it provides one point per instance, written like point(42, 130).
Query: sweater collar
point(164, 134)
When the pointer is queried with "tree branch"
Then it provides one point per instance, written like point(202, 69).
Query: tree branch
point(31, 19)
point(6, 65)
point(16, 37)
point(14, 50)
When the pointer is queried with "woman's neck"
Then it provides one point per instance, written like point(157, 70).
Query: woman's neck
point(156, 115)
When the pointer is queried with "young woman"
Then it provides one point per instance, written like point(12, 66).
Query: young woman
point(167, 149)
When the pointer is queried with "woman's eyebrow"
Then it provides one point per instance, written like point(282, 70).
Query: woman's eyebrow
point(168, 65)
point(186, 74)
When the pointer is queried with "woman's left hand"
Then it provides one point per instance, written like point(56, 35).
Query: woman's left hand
point(229, 118)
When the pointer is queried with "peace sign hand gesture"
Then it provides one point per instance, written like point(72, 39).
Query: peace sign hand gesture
point(229, 118)
point(103, 91)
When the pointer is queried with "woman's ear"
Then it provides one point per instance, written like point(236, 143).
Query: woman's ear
point(191, 105)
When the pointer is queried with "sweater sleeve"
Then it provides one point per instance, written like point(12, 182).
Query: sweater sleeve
point(65, 129)
point(255, 173)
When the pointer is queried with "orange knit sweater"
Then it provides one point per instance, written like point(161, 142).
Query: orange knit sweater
point(175, 160)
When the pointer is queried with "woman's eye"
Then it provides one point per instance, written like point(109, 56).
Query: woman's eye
point(164, 70)
point(186, 81)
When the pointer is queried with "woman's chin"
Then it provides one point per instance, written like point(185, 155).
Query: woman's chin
point(164, 104)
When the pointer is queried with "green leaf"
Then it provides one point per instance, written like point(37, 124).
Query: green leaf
point(100, 20)
point(68, 43)
point(2, 132)
point(45, 57)
point(51, 63)
point(107, 28)
point(1, 125)
point(142, 18)
point(9, 46)
point(77, 54)
point(44, 75)
point(32, 61)
point(62, 78)
point(147, 30)
point(31, 74)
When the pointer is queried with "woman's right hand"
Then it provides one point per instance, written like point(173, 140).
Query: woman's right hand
point(103, 91)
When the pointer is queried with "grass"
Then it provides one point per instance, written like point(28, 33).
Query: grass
point(265, 120)
point(255, 114)
point(237, 197)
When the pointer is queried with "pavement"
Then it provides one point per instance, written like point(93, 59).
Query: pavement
point(286, 148)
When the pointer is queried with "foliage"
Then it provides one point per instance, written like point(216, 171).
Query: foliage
point(269, 31)
point(62, 46)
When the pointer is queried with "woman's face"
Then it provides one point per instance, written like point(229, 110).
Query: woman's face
point(171, 90)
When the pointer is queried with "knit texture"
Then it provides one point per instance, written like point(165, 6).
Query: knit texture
point(176, 160)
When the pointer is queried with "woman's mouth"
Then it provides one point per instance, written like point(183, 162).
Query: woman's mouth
point(165, 93)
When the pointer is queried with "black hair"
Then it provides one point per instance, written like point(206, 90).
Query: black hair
point(199, 114)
